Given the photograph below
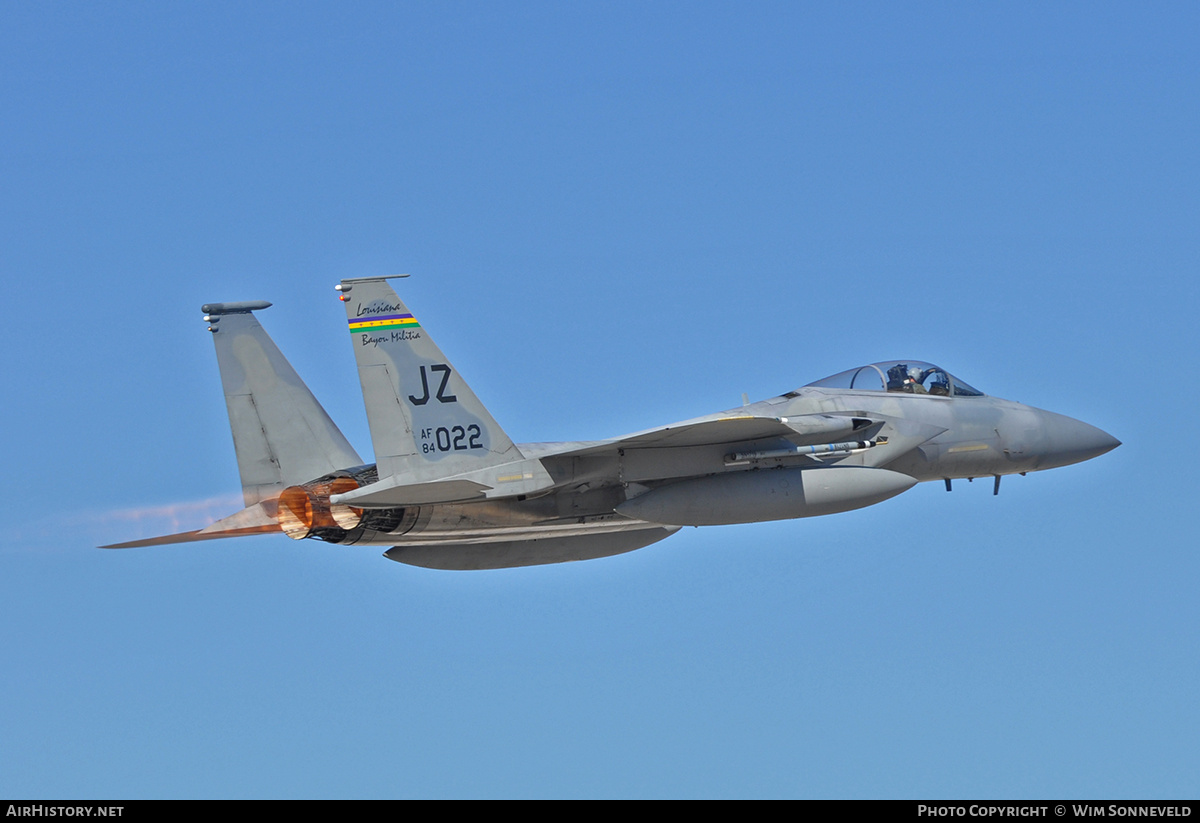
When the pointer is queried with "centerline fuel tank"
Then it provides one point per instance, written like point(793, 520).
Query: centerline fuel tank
point(767, 494)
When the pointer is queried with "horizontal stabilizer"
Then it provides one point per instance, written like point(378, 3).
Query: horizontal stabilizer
point(505, 480)
point(257, 519)
point(388, 495)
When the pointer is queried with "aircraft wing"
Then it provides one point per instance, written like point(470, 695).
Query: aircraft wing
point(802, 430)
point(712, 444)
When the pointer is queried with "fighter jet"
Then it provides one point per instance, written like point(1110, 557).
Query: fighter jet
point(450, 490)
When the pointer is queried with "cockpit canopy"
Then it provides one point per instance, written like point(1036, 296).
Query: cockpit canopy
point(904, 376)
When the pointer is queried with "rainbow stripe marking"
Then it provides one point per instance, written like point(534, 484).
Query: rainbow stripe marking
point(387, 321)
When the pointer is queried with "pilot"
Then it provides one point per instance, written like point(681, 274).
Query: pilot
point(913, 384)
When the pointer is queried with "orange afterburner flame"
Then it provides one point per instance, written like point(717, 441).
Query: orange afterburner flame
point(305, 508)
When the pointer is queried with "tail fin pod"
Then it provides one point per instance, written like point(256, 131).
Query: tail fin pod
point(281, 434)
point(425, 421)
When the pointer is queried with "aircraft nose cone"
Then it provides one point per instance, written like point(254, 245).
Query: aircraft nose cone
point(1070, 441)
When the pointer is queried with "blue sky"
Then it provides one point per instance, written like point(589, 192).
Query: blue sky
point(616, 215)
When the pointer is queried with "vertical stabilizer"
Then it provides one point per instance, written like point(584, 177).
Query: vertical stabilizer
point(425, 421)
point(281, 434)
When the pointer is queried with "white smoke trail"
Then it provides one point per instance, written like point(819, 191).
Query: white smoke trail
point(176, 517)
point(96, 528)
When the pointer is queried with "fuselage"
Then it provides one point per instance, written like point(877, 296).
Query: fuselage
point(983, 436)
point(918, 435)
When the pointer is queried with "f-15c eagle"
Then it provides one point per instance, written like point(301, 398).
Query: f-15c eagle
point(450, 490)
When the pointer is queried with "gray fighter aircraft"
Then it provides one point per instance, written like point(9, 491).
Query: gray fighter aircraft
point(450, 490)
